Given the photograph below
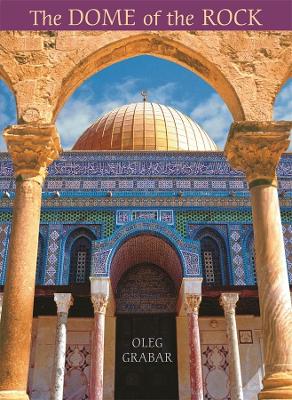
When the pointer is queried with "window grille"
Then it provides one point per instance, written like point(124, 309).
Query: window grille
point(211, 262)
point(80, 261)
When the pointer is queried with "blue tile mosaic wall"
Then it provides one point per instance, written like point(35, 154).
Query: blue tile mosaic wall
point(174, 194)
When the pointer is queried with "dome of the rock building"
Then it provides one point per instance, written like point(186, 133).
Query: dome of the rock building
point(145, 126)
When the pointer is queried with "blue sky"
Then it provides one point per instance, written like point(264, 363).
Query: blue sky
point(166, 82)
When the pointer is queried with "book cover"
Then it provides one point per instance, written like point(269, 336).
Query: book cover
point(145, 200)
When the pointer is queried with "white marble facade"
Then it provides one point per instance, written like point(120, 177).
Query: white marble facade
point(214, 348)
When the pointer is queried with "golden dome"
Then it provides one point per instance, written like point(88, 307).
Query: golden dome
point(145, 126)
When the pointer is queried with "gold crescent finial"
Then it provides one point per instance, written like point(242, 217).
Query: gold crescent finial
point(144, 94)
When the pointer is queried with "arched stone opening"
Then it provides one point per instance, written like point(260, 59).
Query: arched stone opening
point(93, 118)
point(146, 249)
point(158, 46)
point(146, 273)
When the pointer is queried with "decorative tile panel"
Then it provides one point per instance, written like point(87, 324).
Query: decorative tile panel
point(4, 185)
point(215, 369)
point(236, 184)
point(91, 184)
point(219, 184)
point(54, 184)
point(102, 248)
point(138, 291)
point(73, 184)
point(125, 216)
point(201, 184)
point(287, 231)
point(99, 262)
point(145, 214)
point(165, 184)
point(4, 239)
point(77, 372)
point(235, 240)
point(55, 234)
point(183, 184)
point(146, 184)
point(245, 337)
point(108, 184)
point(185, 218)
point(126, 184)
point(166, 216)
point(192, 263)
point(142, 164)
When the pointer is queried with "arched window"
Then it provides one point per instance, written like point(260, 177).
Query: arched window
point(211, 262)
point(213, 256)
point(80, 260)
point(40, 261)
point(77, 256)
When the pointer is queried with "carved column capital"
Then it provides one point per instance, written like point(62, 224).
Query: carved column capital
point(192, 303)
point(32, 148)
point(228, 302)
point(99, 301)
point(255, 148)
point(64, 301)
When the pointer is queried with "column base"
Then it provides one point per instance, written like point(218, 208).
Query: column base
point(276, 386)
point(13, 395)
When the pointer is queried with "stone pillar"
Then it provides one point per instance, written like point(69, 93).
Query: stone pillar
point(228, 302)
point(32, 149)
point(192, 303)
point(99, 301)
point(255, 148)
point(64, 302)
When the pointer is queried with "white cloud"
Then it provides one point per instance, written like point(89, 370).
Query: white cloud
point(283, 103)
point(283, 106)
point(82, 110)
point(214, 117)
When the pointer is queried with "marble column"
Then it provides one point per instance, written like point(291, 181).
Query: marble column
point(64, 301)
point(32, 149)
point(255, 148)
point(99, 301)
point(192, 303)
point(228, 302)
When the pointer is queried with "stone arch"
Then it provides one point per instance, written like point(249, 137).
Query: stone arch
point(72, 237)
point(218, 240)
point(146, 248)
point(158, 46)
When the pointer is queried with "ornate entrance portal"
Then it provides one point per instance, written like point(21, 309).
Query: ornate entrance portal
point(146, 361)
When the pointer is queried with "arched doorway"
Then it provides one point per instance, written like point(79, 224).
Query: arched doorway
point(146, 275)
